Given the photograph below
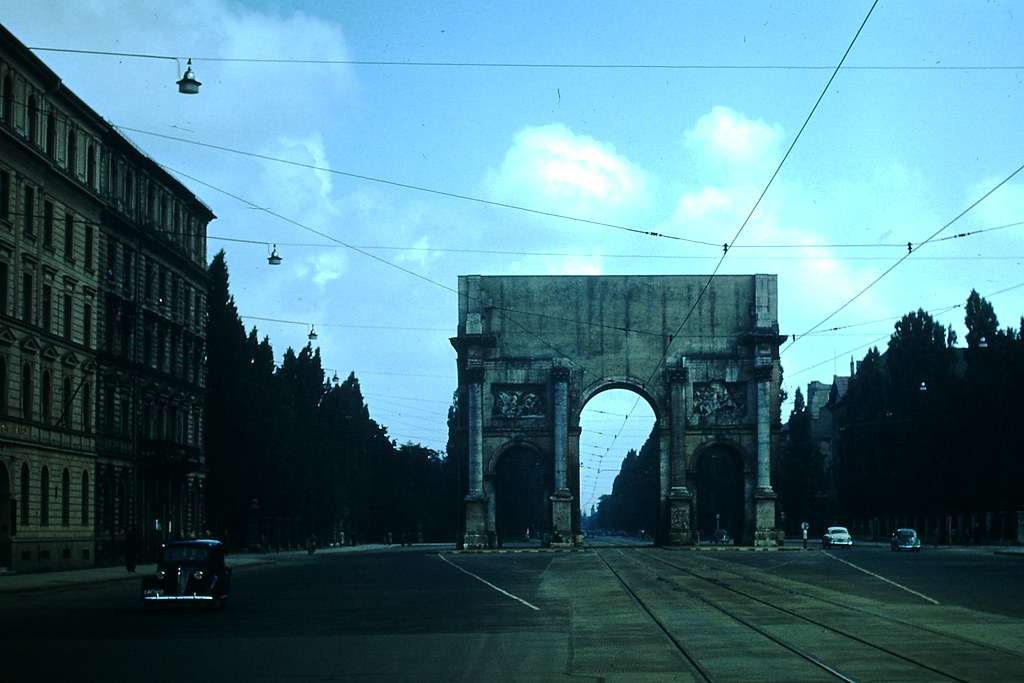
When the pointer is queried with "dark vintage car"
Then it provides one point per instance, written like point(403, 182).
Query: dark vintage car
point(905, 539)
point(721, 537)
point(189, 572)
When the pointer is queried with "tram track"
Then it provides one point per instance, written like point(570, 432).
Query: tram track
point(803, 636)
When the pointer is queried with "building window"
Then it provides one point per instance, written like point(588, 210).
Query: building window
point(26, 391)
point(87, 325)
point(67, 405)
point(51, 136)
point(3, 385)
point(32, 124)
point(5, 196)
point(90, 167)
point(44, 496)
point(85, 499)
point(111, 260)
point(89, 233)
point(47, 308)
point(46, 398)
point(30, 211)
point(24, 494)
point(48, 224)
point(4, 272)
point(69, 236)
point(108, 411)
point(65, 498)
point(68, 315)
point(7, 106)
point(87, 408)
point(26, 298)
point(72, 153)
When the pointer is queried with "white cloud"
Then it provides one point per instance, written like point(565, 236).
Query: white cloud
point(550, 168)
point(727, 144)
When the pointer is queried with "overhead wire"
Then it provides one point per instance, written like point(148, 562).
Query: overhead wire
point(764, 192)
point(543, 65)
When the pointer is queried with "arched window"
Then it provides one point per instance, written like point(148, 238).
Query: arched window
point(25, 497)
point(44, 496)
point(85, 498)
point(26, 391)
point(65, 497)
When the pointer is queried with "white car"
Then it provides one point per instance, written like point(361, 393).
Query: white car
point(836, 535)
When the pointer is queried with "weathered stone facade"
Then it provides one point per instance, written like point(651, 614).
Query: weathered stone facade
point(703, 352)
point(102, 332)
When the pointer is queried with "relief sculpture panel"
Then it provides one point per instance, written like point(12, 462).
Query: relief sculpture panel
point(518, 400)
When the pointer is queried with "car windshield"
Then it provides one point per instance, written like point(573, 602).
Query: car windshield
point(837, 530)
point(907, 535)
point(186, 554)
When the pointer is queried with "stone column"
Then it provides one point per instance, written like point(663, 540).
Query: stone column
point(680, 499)
point(476, 500)
point(561, 499)
point(765, 533)
point(763, 376)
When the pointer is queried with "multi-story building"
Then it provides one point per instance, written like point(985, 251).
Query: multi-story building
point(102, 332)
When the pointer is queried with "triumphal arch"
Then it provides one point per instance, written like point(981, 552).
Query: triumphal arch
point(702, 351)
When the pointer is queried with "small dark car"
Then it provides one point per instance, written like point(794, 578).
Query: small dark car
point(189, 572)
point(721, 537)
point(905, 539)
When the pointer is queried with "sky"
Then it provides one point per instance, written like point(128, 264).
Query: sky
point(386, 148)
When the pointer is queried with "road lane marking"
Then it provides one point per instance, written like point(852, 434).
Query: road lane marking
point(485, 581)
point(882, 578)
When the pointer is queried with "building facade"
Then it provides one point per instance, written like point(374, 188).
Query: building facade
point(102, 333)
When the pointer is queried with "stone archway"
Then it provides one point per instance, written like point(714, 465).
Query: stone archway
point(702, 351)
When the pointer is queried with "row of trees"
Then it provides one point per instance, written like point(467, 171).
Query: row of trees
point(633, 503)
point(925, 427)
point(292, 454)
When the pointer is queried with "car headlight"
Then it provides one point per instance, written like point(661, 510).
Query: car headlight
point(160, 573)
point(198, 575)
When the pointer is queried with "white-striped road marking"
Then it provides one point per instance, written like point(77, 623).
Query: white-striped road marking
point(485, 581)
point(882, 578)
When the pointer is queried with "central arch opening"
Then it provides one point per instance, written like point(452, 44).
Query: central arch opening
point(619, 467)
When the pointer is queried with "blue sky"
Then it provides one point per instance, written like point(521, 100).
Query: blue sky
point(662, 117)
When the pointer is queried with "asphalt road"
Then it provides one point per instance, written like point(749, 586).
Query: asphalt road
point(404, 614)
point(414, 614)
point(964, 577)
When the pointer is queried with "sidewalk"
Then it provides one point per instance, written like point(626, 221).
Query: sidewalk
point(15, 582)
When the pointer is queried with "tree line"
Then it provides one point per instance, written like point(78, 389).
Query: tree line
point(292, 455)
point(924, 427)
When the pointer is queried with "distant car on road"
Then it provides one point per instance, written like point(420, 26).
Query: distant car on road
point(836, 536)
point(189, 572)
point(905, 539)
point(721, 537)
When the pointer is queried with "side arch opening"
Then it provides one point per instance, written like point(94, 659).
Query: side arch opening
point(720, 494)
point(523, 483)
